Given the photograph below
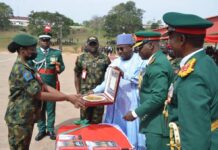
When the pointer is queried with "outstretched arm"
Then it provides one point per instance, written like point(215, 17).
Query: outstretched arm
point(52, 94)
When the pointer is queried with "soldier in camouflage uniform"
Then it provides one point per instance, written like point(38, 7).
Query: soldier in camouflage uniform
point(173, 60)
point(26, 89)
point(89, 72)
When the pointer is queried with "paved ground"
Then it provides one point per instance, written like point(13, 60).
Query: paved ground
point(65, 112)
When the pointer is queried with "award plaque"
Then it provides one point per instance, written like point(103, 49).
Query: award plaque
point(111, 85)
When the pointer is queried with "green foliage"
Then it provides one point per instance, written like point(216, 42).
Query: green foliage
point(5, 13)
point(96, 24)
point(123, 18)
point(154, 24)
point(38, 20)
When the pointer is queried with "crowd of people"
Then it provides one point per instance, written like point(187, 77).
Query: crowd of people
point(160, 85)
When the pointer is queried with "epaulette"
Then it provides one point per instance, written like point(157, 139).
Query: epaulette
point(187, 68)
point(151, 61)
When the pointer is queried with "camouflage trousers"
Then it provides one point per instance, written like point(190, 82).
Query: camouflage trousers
point(93, 114)
point(19, 136)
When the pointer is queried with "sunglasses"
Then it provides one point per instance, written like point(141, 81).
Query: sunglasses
point(119, 48)
point(46, 40)
point(93, 44)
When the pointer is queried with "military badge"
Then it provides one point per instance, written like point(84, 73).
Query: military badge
point(187, 68)
point(53, 60)
point(27, 76)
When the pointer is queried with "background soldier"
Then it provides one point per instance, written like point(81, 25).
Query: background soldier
point(89, 72)
point(49, 64)
point(195, 99)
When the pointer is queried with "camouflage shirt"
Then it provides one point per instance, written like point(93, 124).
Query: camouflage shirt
point(22, 108)
point(175, 64)
point(95, 67)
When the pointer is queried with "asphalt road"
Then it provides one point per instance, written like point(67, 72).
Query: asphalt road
point(65, 111)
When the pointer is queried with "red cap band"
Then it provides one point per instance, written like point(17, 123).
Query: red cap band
point(191, 31)
point(139, 38)
point(152, 38)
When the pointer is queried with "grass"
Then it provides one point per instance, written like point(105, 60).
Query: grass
point(5, 39)
point(79, 39)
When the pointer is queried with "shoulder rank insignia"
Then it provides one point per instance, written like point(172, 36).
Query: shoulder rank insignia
point(187, 68)
point(140, 79)
point(151, 61)
point(27, 76)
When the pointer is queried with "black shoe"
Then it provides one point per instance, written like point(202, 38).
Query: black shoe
point(52, 135)
point(40, 136)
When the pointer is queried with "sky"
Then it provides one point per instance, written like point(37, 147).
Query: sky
point(82, 10)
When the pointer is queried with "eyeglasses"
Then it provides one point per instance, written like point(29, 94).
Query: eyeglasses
point(123, 47)
point(119, 48)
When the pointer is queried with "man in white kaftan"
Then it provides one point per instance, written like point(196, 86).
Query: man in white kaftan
point(131, 65)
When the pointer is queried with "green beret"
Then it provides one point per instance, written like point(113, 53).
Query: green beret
point(24, 40)
point(186, 23)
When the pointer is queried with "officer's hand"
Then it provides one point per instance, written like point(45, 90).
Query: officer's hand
point(90, 92)
point(76, 100)
point(129, 116)
point(121, 72)
point(168, 100)
point(57, 66)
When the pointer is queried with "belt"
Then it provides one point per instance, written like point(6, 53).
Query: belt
point(214, 125)
point(47, 71)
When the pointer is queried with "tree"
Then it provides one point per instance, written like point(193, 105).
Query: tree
point(154, 24)
point(38, 20)
point(123, 18)
point(96, 24)
point(5, 14)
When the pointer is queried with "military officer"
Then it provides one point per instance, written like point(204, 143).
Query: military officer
point(194, 106)
point(49, 64)
point(156, 81)
point(26, 91)
point(89, 72)
point(138, 36)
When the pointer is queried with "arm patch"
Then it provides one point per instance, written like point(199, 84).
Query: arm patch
point(27, 76)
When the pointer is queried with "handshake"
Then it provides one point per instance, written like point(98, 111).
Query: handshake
point(76, 100)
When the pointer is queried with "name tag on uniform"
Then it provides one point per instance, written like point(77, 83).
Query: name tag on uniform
point(94, 65)
point(84, 74)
